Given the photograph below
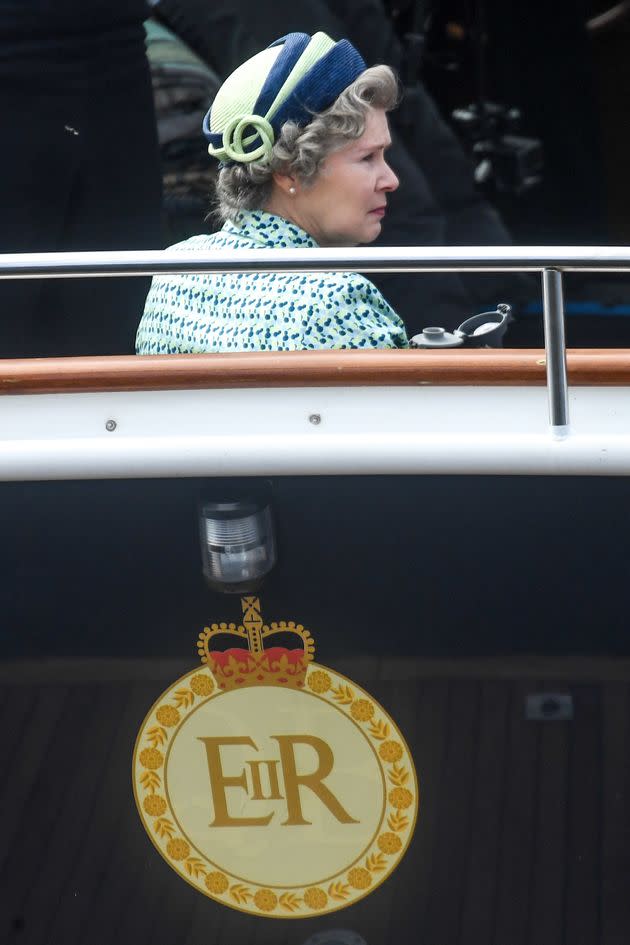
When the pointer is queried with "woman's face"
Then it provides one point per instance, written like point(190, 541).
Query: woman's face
point(347, 201)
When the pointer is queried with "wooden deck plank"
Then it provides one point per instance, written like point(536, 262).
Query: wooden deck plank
point(545, 921)
point(17, 706)
point(517, 824)
point(274, 933)
point(29, 796)
point(169, 918)
point(487, 788)
point(73, 919)
point(583, 860)
point(206, 923)
point(442, 922)
point(615, 874)
point(21, 775)
point(146, 892)
point(414, 876)
point(58, 805)
point(90, 747)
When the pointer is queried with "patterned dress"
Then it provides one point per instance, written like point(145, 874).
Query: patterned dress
point(194, 313)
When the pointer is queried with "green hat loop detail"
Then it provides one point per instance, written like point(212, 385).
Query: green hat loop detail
point(234, 141)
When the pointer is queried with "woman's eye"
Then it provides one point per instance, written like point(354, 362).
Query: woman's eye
point(367, 157)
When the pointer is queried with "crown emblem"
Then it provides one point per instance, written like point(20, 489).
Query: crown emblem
point(255, 653)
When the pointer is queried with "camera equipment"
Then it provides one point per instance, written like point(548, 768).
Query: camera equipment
point(509, 162)
point(505, 161)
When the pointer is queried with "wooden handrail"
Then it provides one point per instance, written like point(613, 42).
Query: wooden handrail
point(380, 368)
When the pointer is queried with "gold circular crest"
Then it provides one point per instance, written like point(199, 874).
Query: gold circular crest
point(279, 802)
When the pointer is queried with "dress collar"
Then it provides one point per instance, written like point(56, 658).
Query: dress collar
point(268, 229)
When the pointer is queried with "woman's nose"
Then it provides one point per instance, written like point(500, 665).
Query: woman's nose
point(389, 181)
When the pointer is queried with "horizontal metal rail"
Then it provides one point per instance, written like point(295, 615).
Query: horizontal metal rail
point(366, 260)
point(551, 262)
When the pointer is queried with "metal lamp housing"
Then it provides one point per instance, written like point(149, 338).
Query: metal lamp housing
point(238, 545)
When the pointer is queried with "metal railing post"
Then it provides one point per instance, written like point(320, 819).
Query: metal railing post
point(555, 351)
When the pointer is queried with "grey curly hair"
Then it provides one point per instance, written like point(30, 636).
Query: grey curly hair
point(302, 151)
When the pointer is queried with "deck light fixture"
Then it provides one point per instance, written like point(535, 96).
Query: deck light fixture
point(238, 545)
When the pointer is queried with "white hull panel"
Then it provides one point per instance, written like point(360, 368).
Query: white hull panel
point(253, 432)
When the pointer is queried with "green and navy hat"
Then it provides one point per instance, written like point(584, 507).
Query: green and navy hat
point(293, 79)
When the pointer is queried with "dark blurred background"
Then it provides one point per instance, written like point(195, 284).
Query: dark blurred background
point(512, 129)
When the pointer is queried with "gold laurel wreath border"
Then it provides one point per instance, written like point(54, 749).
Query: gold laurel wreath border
point(358, 879)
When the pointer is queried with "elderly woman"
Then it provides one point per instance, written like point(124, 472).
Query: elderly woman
point(301, 134)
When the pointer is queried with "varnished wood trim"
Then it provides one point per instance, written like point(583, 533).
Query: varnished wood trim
point(592, 367)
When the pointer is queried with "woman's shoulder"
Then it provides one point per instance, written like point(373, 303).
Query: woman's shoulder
point(200, 241)
point(356, 286)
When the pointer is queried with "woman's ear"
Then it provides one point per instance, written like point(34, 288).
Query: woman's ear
point(286, 183)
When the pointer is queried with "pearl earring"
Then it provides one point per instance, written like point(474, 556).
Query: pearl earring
point(292, 191)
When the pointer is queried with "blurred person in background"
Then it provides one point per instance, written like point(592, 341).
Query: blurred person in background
point(79, 168)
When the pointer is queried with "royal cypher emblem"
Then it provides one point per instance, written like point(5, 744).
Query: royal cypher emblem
point(272, 784)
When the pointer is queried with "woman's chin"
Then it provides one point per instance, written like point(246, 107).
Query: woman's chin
point(371, 232)
point(359, 237)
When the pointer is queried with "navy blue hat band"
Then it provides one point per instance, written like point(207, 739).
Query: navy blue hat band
point(249, 137)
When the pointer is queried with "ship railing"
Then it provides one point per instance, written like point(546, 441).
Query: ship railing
point(551, 263)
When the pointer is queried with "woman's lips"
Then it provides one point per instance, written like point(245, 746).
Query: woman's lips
point(379, 211)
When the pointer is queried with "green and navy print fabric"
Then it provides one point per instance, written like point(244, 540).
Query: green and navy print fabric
point(194, 313)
